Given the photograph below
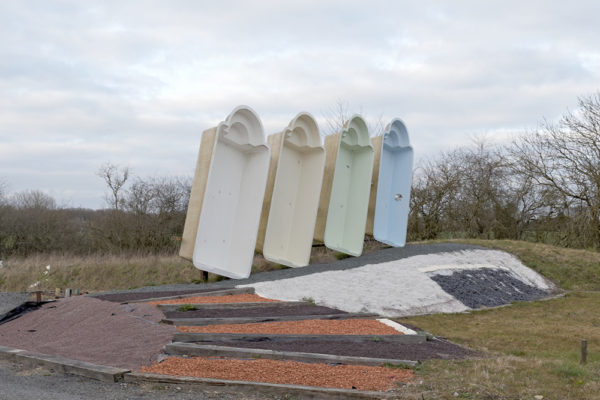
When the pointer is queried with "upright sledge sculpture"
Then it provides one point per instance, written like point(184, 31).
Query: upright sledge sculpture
point(392, 176)
point(343, 207)
point(292, 195)
point(227, 194)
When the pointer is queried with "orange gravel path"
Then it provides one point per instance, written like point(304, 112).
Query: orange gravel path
point(284, 372)
point(234, 298)
point(305, 327)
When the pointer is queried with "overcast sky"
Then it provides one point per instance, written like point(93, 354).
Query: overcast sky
point(136, 82)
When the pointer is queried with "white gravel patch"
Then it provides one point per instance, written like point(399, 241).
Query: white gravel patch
point(396, 288)
point(397, 326)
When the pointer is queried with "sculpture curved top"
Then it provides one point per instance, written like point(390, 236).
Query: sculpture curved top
point(242, 126)
point(303, 131)
point(396, 134)
point(356, 132)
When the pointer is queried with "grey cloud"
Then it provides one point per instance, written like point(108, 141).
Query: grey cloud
point(135, 83)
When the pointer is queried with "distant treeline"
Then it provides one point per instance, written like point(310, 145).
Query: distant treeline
point(544, 186)
point(148, 218)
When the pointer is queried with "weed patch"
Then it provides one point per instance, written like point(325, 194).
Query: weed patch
point(187, 307)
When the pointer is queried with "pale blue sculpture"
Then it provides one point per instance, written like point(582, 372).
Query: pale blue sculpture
point(393, 189)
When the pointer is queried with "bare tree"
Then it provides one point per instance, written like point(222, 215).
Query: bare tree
point(140, 197)
point(435, 185)
point(471, 191)
point(170, 195)
point(115, 178)
point(377, 128)
point(564, 158)
point(2, 193)
point(336, 117)
point(37, 199)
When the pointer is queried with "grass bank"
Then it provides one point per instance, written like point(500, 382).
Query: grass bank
point(531, 349)
point(94, 273)
point(111, 272)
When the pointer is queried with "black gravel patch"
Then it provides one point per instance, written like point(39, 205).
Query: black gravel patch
point(432, 349)
point(132, 296)
point(487, 287)
point(268, 311)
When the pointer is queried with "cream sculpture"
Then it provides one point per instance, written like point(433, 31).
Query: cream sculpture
point(292, 196)
point(227, 194)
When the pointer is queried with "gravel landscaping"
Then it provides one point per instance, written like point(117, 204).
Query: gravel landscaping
point(267, 311)
point(87, 329)
point(234, 298)
point(408, 286)
point(393, 282)
point(304, 327)
point(285, 372)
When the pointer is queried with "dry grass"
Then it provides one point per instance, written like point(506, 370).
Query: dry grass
point(319, 255)
point(322, 254)
point(503, 378)
point(94, 273)
point(533, 347)
point(549, 329)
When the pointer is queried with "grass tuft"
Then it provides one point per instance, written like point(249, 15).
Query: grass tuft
point(187, 307)
point(572, 370)
point(342, 256)
point(309, 300)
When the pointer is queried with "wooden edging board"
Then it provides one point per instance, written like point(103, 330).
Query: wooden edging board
point(217, 292)
point(376, 142)
point(65, 365)
point(304, 392)
point(251, 320)
point(232, 306)
point(111, 374)
point(186, 337)
point(192, 349)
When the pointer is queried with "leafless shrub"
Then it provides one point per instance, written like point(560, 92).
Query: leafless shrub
point(563, 161)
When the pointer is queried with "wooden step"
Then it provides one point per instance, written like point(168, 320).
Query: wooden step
point(191, 349)
point(251, 320)
point(186, 337)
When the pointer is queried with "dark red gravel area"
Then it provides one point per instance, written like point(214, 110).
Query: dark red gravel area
point(432, 349)
point(87, 329)
point(269, 311)
point(132, 296)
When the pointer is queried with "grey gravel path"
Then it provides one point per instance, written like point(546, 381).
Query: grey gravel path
point(377, 257)
point(10, 301)
point(19, 383)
